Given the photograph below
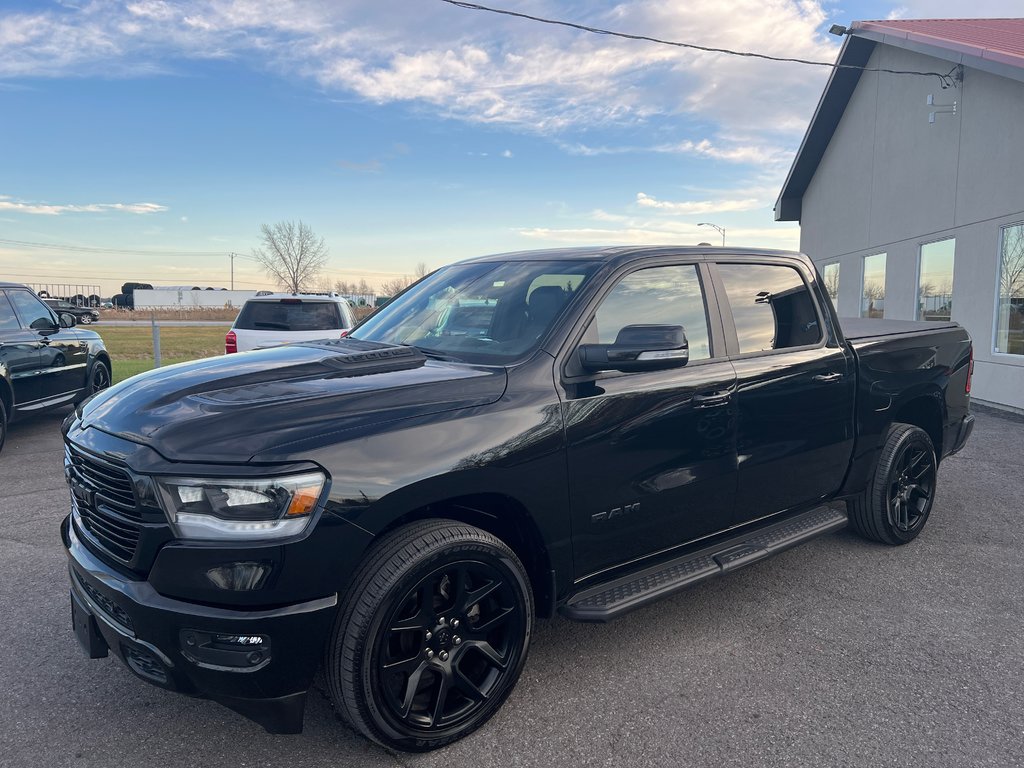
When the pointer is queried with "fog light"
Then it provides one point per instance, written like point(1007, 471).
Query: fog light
point(224, 651)
point(239, 577)
point(239, 639)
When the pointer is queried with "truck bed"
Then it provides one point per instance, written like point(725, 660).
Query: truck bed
point(857, 328)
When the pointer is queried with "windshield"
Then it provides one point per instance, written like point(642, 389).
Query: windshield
point(486, 312)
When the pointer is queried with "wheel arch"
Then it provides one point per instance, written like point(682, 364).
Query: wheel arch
point(7, 397)
point(924, 411)
point(505, 517)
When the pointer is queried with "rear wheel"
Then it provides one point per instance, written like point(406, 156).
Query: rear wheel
point(85, 319)
point(895, 506)
point(432, 637)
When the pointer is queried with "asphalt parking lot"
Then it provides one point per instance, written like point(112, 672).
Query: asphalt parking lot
point(838, 652)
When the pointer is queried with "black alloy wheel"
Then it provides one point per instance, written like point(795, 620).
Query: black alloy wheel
point(911, 484)
point(100, 377)
point(433, 637)
point(894, 508)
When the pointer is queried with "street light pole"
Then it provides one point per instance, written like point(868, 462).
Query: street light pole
point(721, 230)
point(232, 257)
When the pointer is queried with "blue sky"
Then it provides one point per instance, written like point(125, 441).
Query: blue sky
point(163, 134)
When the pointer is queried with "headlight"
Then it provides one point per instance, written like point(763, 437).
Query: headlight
point(255, 508)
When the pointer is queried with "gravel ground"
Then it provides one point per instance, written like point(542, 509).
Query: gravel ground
point(838, 652)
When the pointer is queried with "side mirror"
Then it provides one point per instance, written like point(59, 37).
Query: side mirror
point(638, 348)
point(67, 320)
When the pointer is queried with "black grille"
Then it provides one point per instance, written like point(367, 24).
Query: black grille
point(104, 496)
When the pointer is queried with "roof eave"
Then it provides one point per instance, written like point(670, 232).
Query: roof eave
point(841, 83)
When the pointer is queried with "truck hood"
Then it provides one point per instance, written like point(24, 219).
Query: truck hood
point(272, 404)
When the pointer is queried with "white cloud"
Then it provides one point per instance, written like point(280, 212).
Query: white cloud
point(699, 206)
point(8, 203)
point(507, 153)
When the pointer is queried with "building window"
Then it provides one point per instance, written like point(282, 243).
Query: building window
point(1010, 308)
point(872, 302)
point(830, 274)
point(935, 281)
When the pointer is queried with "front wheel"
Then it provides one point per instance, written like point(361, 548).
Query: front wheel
point(432, 636)
point(99, 379)
point(895, 506)
point(85, 319)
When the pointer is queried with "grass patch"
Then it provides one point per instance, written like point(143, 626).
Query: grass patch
point(125, 369)
point(131, 349)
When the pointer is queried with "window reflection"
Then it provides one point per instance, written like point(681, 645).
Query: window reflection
point(872, 302)
point(935, 283)
point(830, 275)
point(1010, 310)
point(771, 307)
point(660, 296)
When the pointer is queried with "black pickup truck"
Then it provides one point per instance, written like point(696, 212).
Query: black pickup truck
point(578, 431)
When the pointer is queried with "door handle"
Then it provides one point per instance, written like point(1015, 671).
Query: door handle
point(827, 377)
point(712, 399)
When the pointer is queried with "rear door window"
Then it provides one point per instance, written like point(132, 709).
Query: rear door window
point(34, 314)
point(289, 316)
point(771, 307)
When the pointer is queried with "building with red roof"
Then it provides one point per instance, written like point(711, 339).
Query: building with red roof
point(909, 184)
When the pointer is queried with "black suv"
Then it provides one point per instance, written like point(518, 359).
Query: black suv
point(83, 315)
point(44, 361)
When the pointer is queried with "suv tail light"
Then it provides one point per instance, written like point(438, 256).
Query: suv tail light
point(230, 343)
point(970, 373)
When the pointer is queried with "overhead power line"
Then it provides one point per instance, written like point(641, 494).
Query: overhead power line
point(94, 249)
point(946, 80)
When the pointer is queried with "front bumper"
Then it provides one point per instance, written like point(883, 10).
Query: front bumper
point(170, 643)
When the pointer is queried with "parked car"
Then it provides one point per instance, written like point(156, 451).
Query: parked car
point(271, 319)
point(45, 361)
point(405, 502)
point(83, 315)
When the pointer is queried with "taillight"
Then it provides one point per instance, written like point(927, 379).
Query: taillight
point(230, 343)
point(970, 373)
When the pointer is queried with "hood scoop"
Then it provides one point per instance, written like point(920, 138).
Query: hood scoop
point(348, 358)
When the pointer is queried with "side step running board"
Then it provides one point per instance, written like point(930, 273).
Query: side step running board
point(609, 601)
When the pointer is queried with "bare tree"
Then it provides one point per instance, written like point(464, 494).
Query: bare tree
point(1011, 279)
point(832, 282)
point(398, 284)
point(395, 285)
point(291, 254)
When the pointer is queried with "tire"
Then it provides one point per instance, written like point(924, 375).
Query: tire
point(3, 424)
point(99, 379)
point(894, 508)
point(85, 319)
point(432, 636)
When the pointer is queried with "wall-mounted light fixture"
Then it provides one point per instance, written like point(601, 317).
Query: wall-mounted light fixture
point(941, 109)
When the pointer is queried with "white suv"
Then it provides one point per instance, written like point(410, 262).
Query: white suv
point(278, 318)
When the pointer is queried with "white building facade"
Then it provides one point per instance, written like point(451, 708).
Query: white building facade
point(915, 210)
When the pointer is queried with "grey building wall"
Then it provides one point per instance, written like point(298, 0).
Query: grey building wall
point(891, 181)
